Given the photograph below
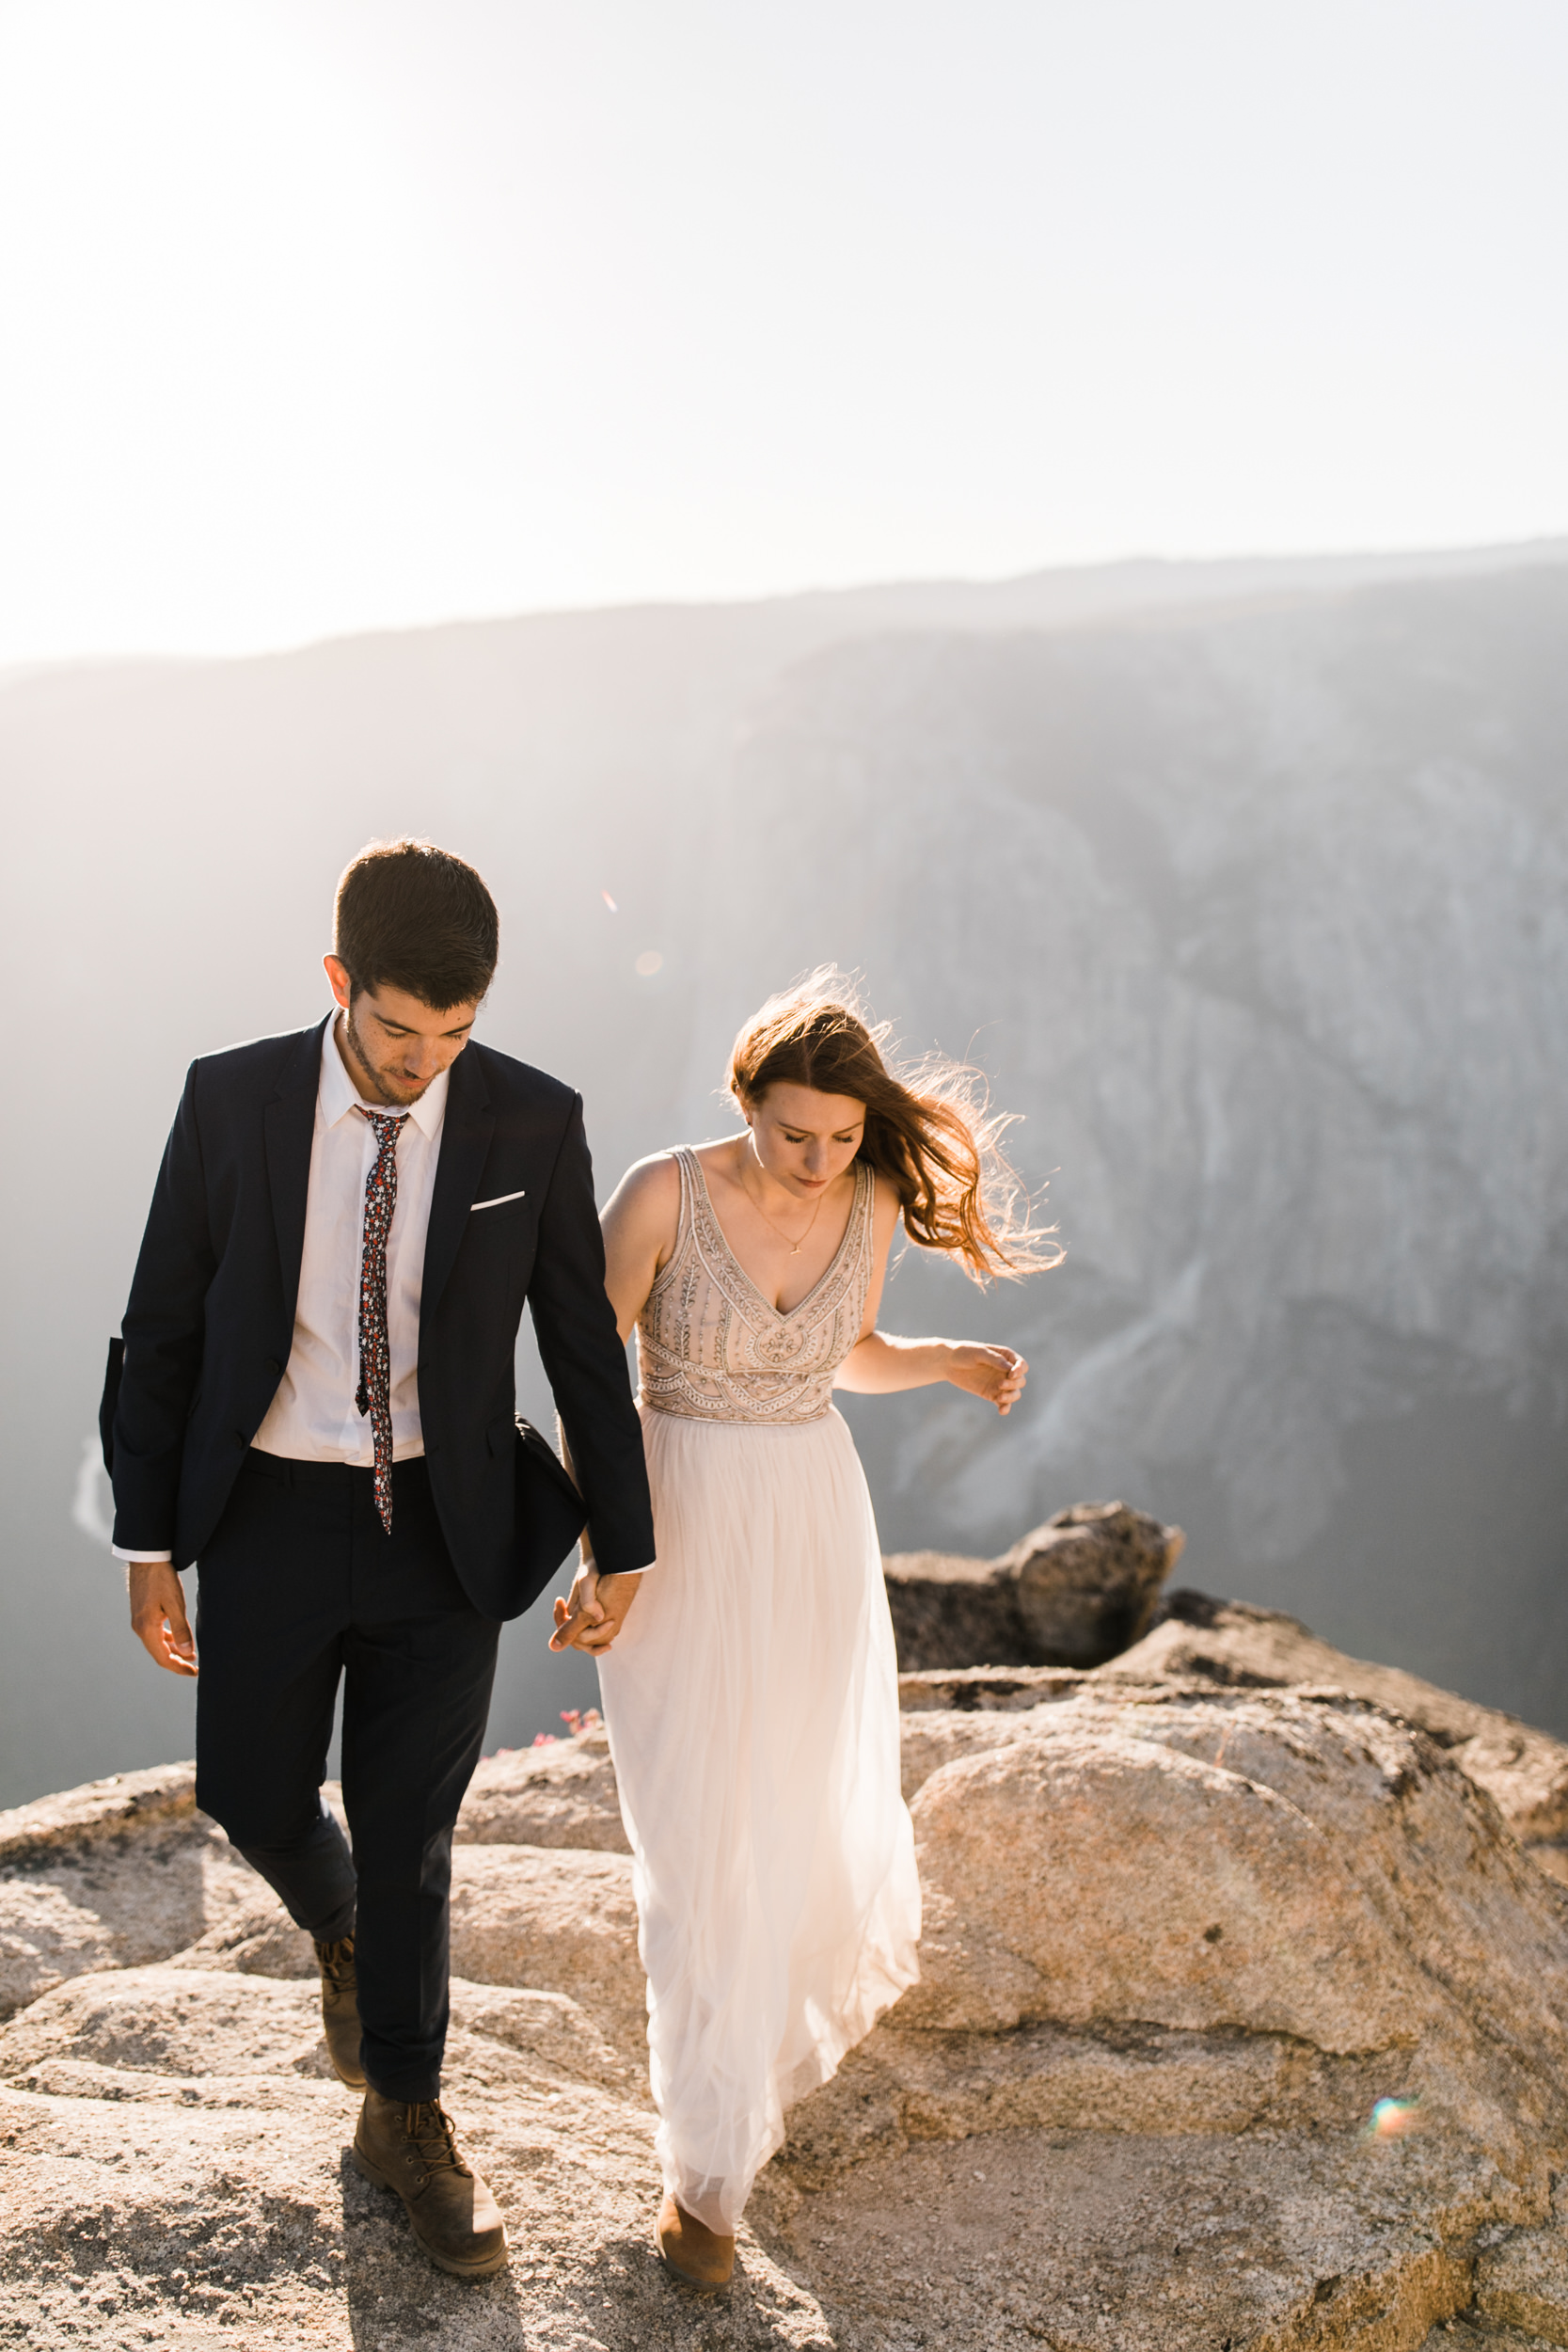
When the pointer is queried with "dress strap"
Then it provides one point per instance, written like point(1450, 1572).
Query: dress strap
point(865, 1206)
point(685, 1227)
point(865, 1198)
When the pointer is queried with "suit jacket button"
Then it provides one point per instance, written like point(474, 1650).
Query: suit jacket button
point(240, 1438)
point(273, 1365)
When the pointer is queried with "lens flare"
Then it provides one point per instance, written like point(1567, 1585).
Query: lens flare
point(610, 902)
point(1394, 2118)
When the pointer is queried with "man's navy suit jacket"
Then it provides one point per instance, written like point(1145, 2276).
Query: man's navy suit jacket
point(210, 1322)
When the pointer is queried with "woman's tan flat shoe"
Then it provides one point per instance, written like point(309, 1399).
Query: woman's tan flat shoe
point(699, 2257)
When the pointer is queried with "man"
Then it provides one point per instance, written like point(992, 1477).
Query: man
point(316, 1408)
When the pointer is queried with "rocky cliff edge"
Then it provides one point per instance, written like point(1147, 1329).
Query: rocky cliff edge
point(1243, 2023)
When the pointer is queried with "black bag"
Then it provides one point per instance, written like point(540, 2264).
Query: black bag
point(550, 1512)
point(108, 1401)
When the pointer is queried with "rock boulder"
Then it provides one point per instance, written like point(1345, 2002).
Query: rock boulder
point(1190, 1917)
point(113, 1875)
point(561, 1793)
point(1074, 1592)
point(1273, 1863)
point(1234, 1644)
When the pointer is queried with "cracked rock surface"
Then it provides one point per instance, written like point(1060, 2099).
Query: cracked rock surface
point(1185, 1930)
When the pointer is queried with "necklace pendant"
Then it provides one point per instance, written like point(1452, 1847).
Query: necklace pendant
point(796, 1252)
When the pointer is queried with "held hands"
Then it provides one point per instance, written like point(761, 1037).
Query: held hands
point(158, 1616)
point(596, 1609)
point(997, 1373)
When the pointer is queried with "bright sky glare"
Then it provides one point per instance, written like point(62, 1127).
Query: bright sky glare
point(320, 315)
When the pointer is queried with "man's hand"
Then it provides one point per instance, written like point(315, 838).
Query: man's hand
point(593, 1614)
point(158, 1616)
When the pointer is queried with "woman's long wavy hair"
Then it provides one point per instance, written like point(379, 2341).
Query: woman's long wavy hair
point(929, 1129)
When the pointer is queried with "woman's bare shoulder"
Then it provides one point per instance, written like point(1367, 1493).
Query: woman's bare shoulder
point(649, 1193)
point(641, 1221)
point(656, 1178)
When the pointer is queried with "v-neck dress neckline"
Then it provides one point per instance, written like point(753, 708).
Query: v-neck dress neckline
point(713, 1346)
point(785, 1314)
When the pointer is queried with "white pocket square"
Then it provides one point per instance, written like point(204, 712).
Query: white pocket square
point(500, 1200)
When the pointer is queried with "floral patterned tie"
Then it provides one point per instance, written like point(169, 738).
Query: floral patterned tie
point(374, 1393)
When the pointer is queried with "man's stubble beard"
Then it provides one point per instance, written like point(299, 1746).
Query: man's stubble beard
point(356, 1047)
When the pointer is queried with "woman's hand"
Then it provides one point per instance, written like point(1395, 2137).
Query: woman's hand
point(997, 1374)
point(594, 1612)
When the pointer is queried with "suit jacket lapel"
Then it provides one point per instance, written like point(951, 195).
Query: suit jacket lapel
point(466, 1134)
point(290, 1123)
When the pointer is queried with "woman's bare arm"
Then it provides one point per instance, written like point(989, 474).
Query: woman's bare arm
point(881, 1364)
point(640, 1221)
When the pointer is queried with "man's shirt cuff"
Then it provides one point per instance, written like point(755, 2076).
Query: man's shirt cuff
point(145, 1557)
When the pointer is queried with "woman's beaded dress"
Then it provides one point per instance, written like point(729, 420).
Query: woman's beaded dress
point(753, 1705)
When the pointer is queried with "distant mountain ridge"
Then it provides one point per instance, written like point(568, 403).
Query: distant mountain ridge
point(1054, 596)
point(1245, 879)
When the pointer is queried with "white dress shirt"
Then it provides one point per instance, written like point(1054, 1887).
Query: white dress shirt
point(313, 1417)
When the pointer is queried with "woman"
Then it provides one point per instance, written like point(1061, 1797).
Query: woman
point(752, 1694)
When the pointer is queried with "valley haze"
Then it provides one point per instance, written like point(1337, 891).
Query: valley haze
point(1245, 882)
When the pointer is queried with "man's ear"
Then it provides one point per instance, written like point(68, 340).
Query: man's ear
point(342, 987)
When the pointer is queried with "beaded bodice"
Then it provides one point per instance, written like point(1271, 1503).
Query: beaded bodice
point(710, 1346)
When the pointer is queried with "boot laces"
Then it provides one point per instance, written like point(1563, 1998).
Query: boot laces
point(337, 1961)
point(430, 2128)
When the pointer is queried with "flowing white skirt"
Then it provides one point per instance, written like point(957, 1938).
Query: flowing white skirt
point(752, 1706)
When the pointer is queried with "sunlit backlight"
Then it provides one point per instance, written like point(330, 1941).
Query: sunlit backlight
point(648, 963)
point(1394, 2118)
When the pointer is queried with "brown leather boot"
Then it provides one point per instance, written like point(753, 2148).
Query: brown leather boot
point(410, 2147)
point(340, 2010)
point(698, 2256)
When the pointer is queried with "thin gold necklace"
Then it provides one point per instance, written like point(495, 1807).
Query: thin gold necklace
point(794, 1246)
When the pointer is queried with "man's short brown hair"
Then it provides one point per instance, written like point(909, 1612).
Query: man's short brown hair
point(412, 916)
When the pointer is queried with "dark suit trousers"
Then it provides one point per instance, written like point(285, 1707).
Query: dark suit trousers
point(301, 1585)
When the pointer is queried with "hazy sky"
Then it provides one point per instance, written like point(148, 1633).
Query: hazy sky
point(320, 314)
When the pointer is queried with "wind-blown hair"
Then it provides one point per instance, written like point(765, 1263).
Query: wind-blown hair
point(929, 1129)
